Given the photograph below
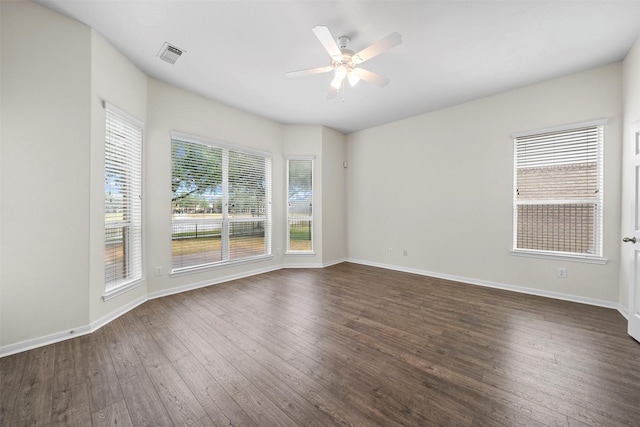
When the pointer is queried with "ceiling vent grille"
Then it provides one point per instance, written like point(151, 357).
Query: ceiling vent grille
point(170, 53)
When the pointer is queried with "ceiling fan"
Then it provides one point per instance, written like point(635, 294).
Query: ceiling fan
point(345, 63)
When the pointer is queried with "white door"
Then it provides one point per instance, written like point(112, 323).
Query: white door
point(634, 240)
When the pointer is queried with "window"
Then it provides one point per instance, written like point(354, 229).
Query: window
point(220, 202)
point(300, 205)
point(558, 191)
point(123, 201)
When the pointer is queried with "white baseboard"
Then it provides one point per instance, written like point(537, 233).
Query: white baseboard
point(97, 324)
point(19, 347)
point(623, 311)
point(496, 285)
point(337, 261)
point(314, 265)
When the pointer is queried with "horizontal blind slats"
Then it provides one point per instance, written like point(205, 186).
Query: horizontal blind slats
point(558, 191)
point(220, 204)
point(123, 201)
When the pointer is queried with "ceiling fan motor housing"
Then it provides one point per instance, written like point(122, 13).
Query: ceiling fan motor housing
point(343, 42)
point(345, 61)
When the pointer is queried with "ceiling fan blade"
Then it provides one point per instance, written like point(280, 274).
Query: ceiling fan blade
point(309, 71)
point(371, 77)
point(328, 41)
point(392, 40)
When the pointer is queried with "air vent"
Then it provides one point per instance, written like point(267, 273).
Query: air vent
point(170, 53)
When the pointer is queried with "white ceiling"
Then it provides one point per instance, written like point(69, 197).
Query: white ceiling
point(237, 52)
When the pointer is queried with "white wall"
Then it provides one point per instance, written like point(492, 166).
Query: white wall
point(46, 129)
point(116, 80)
point(631, 107)
point(171, 108)
point(440, 186)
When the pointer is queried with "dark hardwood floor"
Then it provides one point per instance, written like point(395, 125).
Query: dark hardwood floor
point(344, 345)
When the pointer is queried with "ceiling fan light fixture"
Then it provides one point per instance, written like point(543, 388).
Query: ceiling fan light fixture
point(336, 83)
point(341, 72)
point(353, 78)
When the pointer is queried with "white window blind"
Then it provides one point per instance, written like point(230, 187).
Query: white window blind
point(300, 205)
point(221, 204)
point(123, 199)
point(558, 191)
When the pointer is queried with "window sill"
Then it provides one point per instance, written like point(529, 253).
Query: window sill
point(300, 253)
point(112, 293)
point(561, 257)
point(206, 267)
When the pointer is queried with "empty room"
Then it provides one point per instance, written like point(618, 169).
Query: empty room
point(319, 213)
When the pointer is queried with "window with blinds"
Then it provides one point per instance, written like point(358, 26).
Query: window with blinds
point(558, 191)
point(220, 202)
point(299, 205)
point(123, 200)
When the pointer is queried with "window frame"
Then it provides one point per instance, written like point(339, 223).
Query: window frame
point(598, 256)
point(226, 221)
point(310, 218)
point(132, 227)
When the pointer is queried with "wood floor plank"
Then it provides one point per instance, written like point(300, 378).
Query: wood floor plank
point(175, 395)
point(321, 399)
point(11, 371)
point(261, 409)
point(560, 400)
point(40, 365)
point(69, 367)
point(220, 368)
point(70, 406)
point(144, 405)
point(347, 345)
point(124, 357)
point(217, 403)
point(33, 402)
point(292, 403)
point(116, 414)
point(101, 377)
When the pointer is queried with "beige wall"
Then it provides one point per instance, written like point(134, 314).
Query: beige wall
point(631, 107)
point(46, 129)
point(334, 210)
point(329, 222)
point(440, 187)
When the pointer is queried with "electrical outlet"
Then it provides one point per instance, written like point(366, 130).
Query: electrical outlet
point(158, 271)
point(404, 252)
point(277, 251)
point(390, 251)
point(561, 273)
